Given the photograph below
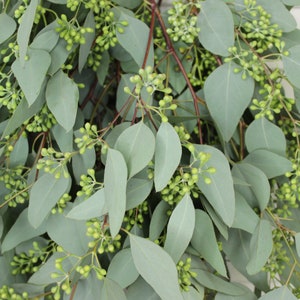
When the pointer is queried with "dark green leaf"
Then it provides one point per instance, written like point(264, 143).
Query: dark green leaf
point(282, 293)
point(68, 233)
point(216, 27)
point(137, 153)
point(111, 291)
point(21, 231)
point(32, 73)
point(270, 163)
point(46, 191)
point(245, 218)
point(262, 134)
point(91, 208)
point(122, 269)
point(167, 155)
point(180, 228)
point(24, 30)
point(257, 192)
point(261, 245)
point(205, 242)
point(135, 36)
point(62, 99)
point(8, 27)
point(227, 96)
point(156, 267)
point(219, 192)
point(115, 181)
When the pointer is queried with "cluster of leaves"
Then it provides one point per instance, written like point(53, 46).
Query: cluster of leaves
point(139, 148)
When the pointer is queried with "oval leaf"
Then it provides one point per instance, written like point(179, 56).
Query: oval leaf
point(180, 228)
point(156, 267)
point(137, 144)
point(7, 25)
point(262, 134)
point(291, 65)
point(205, 242)
point(90, 208)
point(227, 96)
point(46, 191)
point(62, 99)
point(261, 245)
point(282, 293)
point(111, 291)
point(115, 181)
point(219, 192)
point(167, 155)
point(216, 27)
point(270, 163)
point(32, 73)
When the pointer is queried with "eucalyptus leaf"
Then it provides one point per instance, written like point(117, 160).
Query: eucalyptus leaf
point(227, 96)
point(297, 240)
point(260, 246)
point(140, 289)
point(62, 99)
point(219, 192)
point(167, 155)
point(115, 181)
point(156, 267)
point(205, 242)
point(7, 25)
point(180, 228)
point(291, 65)
point(19, 154)
point(46, 191)
point(216, 27)
point(111, 291)
point(131, 144)
point(282, 293)
point(32, 73)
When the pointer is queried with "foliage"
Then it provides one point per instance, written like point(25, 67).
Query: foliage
point(142, 150)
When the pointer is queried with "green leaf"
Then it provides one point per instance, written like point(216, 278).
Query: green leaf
point(21, 231)
point(1, 226)
point(19, 155)
point(128, 4)
point(32, 73)
point(159, 220)
point(227, 96)
point(68, 233)
point(141, 290)
point(90, 208)
point(257, 192)
point(122, 269)
point(261, 245)
point(6, 277)
point(193, 294)
point(291, 2)
point(62, 99)
point(297, 240)
point(156, 267)
point(24, 30)
point(134, 39)
point(219, 192)
point(8, 27)
point(215, 283)
point(137, 153)
point(279, 14)
point(84, 49)
point(46, 39)
point(111, 291)
point(282, 293)
point(262, 134)
point(291, 65)
point(180, 228)
point(248, 295)
point(115, 181)
point(245, 218)
point(167, 155)
point(216, 27)
point(63, 139)
point(270, 163)
point(205, 242)
point(291, 38)
point(46, 191)
point(138, 189)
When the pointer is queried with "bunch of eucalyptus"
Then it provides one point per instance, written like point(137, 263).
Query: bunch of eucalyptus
point(142, 151)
